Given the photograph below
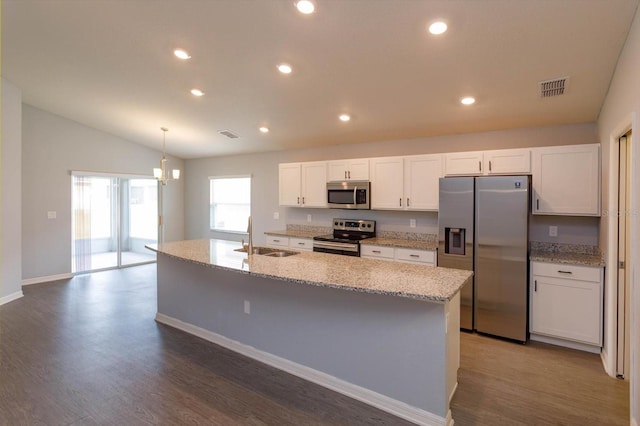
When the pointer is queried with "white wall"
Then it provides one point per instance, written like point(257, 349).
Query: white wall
point(618, 113)
point(52, 147)
point(264, 169)
point(10, 193)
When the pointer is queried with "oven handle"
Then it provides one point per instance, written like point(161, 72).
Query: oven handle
point(335, 246)
point(355, 189)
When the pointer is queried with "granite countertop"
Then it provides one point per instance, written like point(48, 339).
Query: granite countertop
point(401, 243)
point(295, 233)
point(569, 254)
point(421, 282)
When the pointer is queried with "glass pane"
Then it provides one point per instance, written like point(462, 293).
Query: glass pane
point(94, 236)
point(139, 220)
point(230, 206)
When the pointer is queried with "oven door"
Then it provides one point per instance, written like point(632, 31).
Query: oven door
point(348, 195)
point(345, 249)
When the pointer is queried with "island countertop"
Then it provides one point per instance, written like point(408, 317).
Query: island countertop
point(412, 281)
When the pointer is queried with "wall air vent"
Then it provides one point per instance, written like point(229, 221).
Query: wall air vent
point(554, 87)
point(228, 133)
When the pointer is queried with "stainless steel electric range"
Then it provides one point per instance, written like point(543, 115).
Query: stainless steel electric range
point(346, 237)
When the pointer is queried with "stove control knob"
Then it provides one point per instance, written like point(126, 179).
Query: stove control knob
point(336, 223)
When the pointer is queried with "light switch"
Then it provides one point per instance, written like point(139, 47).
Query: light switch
point(276, 215)
point(412, 223)
point(51, 215)
point(553, 231)
point(308, 218)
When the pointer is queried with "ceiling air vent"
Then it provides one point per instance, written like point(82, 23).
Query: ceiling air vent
point(554, 87)
point(228, 133)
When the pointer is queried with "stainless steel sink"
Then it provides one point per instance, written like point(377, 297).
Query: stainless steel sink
point(268, 251)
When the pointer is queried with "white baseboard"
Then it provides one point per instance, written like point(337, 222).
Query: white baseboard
point(11, 297)
point(385, 403)
point(46, 279)
point(566, 343)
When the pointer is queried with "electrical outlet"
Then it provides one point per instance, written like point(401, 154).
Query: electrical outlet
point(51, 215)
point(553, 231)
point(412, 223)
point(247, 307)
point(308, 218)
point(276, 215)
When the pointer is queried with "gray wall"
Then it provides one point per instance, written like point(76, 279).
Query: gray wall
point(264, 169)
point(10, 192)
point(53, 146)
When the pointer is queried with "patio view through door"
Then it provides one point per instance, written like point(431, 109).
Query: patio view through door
point(113, 218)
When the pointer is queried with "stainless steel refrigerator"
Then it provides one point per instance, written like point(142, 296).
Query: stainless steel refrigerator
point(483, 226)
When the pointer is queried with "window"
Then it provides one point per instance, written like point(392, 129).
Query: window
point(230, 203)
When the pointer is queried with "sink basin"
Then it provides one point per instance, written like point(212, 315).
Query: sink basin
point(281, 253)
point(268, 251)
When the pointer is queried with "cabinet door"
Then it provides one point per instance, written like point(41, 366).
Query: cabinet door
point(566, 180)
point(422, 174)
point(377, 252)
point(289, 184)
point(305, 244)
point(358, 169)
point(425, 257)
point(314, 184)
point(463, 164)
point(507, 161)
point(387, 182)
point(568, 309)
point(337, 171)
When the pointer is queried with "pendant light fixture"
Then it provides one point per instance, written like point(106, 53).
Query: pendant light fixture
point(161, 172)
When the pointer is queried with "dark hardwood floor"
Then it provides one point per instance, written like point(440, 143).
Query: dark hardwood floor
point(87, 351)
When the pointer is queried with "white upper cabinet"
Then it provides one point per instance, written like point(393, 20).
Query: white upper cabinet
point(566, 180)
point(422, 174)
point(303, 184)
point(344, 170)
point(507, 161)
point(387, 183)
point(463, 163)
point(496, 162)
point(405, 183)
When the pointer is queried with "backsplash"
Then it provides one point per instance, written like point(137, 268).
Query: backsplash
point(310, 228)
point(413, 236)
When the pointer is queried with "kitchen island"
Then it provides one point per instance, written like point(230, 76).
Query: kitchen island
point(381, 332)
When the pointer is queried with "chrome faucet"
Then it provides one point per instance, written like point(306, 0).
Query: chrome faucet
point(250, 232)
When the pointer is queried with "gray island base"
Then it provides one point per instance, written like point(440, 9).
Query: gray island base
point(381, 332)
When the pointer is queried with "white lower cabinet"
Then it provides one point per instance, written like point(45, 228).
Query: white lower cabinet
point(398, 254)
point(276, 241)
point(566, 304)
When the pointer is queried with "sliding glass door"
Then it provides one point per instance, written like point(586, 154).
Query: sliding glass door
point(113, 218)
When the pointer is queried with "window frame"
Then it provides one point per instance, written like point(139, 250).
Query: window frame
point(211, 204)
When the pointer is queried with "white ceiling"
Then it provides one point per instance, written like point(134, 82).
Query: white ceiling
point(109, 65)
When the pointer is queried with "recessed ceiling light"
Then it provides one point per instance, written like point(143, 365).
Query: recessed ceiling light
point(285, 68)
point(468, 100)
point(182, 54)
point(197, 92)
point(264, 129)
point(437, 28)
point(344, 117)
point(305, 6)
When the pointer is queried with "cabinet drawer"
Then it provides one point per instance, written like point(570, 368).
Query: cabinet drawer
point(277, 241)
point(377, 251)
point(301, 243)
point(568, 272)
point(412, 255)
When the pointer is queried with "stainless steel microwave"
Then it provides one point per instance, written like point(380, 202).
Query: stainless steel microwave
point(349, 195)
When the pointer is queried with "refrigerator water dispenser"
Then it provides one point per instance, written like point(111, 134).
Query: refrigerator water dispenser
point(455, 241)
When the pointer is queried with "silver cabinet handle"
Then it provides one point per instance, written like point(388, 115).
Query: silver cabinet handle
point(302, 200)
point(489, 165)
point(535, 285)
point(400, 202)
point(276, 241)
point(300, 244)
point(480, 165)
point(298, 200)
point(408, 202)
point(345, 174)
point(414, 255)
point(537, 204)
point(565, 272)
point(349, 172)
point(376, 251)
